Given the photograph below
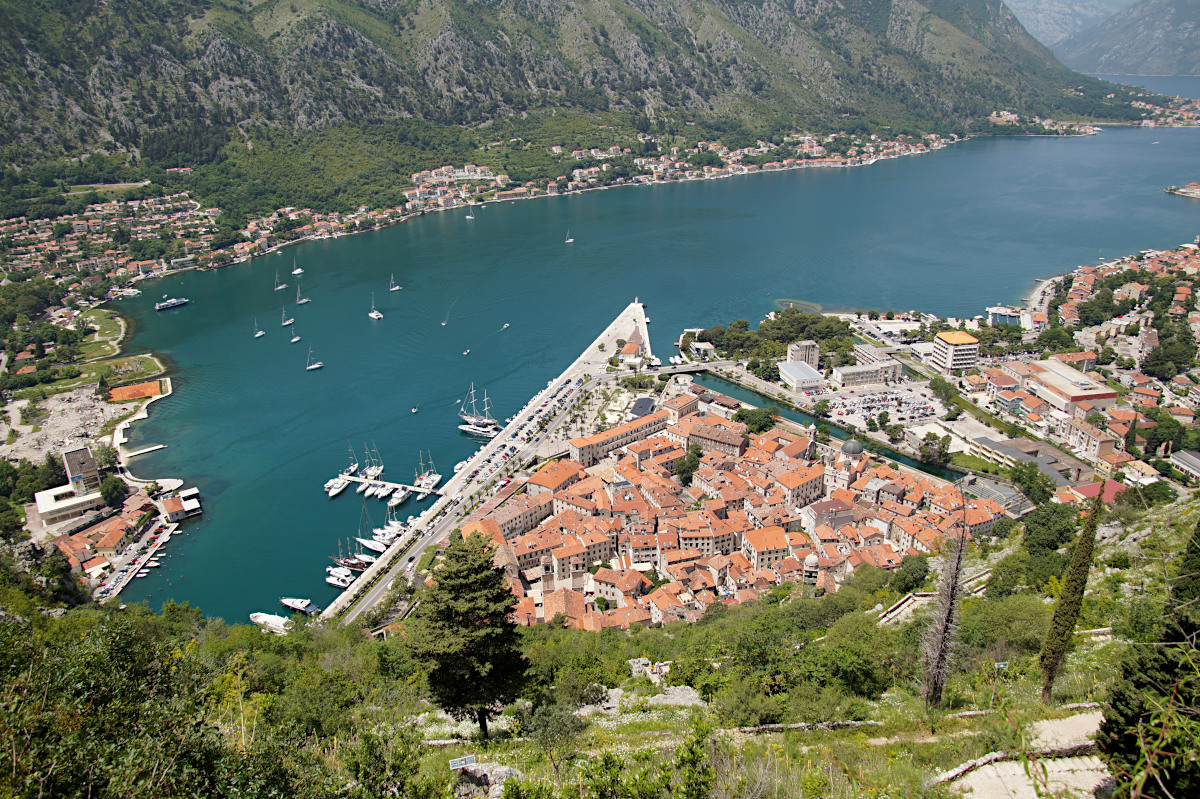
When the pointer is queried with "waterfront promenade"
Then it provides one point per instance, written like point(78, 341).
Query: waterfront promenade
point(437, 521)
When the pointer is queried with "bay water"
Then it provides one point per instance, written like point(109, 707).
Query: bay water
point(949, 233)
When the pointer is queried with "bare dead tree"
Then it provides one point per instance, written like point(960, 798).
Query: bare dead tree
point(937, 647)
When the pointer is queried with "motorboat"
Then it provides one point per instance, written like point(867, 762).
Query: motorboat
point(398, 497)
point(340, 485)
point(272, 623)
point(339, 582)
point(372, 545)
point(305, 606)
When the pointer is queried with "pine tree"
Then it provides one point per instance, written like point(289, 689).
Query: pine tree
point(462, 632)
point(938, 646)
point(1070, 600)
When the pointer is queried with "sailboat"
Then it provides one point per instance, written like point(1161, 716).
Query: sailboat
point(295, 338)
point(392, 284)
point(374, 314)
point(279, 286)
point(569, 239)
point(311, 363)
point(300, 300)
point(258, 333)
point(427, 477)
point(295, 269)
point(469, 214)
point(286, 319)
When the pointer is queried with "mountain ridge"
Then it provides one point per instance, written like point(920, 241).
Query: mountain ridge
point(147, 75)
point(1150, 37)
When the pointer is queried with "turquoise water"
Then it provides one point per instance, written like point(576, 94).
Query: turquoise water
point(950, 233)
point(1171, 85)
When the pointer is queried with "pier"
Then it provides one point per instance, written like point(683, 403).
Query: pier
point(354, 478)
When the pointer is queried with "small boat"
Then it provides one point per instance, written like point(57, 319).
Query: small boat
point(286, 320)
point(258, 333)
point(374, 314)
point(339, 571)
point(466, 352)
point(414, 409)
point(569, 239)
point(311, 363)
point(300, 300)
point(392, 283)
point(365, 558)
point(338, 582)
point(505, 326)
point(338, 487)
point(458, 467)
point(305, 606)
point(295, 338)
point(399, 496)
point(279, 286)
point(362, 487)
point(472, 216)
point(385, 492)
point(295, 269)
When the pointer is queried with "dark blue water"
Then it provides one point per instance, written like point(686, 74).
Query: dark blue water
point(1170, 85)
point(950, 232)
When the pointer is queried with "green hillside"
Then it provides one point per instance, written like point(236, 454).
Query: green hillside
point(175, 81)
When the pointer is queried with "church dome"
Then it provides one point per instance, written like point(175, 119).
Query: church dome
point(852, 447)
point(811, 561)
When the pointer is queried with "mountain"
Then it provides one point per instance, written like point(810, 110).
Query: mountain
point(1151, 37)
point(177, 80)
point(1052, 20)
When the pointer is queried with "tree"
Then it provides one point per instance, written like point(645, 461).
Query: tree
point(554, 729)
point(821, 407)
point(105, 455)
point(937, 647)
point(461, 631)
point(943, 388)
point(686, 466)
point(1033, 482)
point(911, 574)
point(758, 420)
point(114, 491)
point(1066, 611)
point(934, 450)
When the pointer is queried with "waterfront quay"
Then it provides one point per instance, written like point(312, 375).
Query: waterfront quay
point(519, 441)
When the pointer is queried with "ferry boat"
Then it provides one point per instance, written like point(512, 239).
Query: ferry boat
point(305, 606)
point(174, 302)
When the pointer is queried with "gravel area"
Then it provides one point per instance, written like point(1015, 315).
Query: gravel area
point(72, 419)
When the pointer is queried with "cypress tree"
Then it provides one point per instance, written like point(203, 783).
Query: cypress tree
point(462, 632)
point(1066, 612)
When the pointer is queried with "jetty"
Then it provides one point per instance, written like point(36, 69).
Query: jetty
point(415, 490)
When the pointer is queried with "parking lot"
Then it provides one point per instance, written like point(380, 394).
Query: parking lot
point(907, 406)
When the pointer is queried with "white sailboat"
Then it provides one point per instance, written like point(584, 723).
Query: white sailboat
point(374, 314)
point(295, 338)
point(392, 284)
point(300, 300)
point(258, 333)
point(469, 214)
point(569, 239)
point(295, 269)
point(287, 320)
point(279, 286)
point(311, 363)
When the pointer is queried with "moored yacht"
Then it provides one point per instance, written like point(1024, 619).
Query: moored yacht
point(272, 622)
point(305, 606)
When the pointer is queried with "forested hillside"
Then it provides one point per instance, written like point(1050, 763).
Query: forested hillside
point(176, 81)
